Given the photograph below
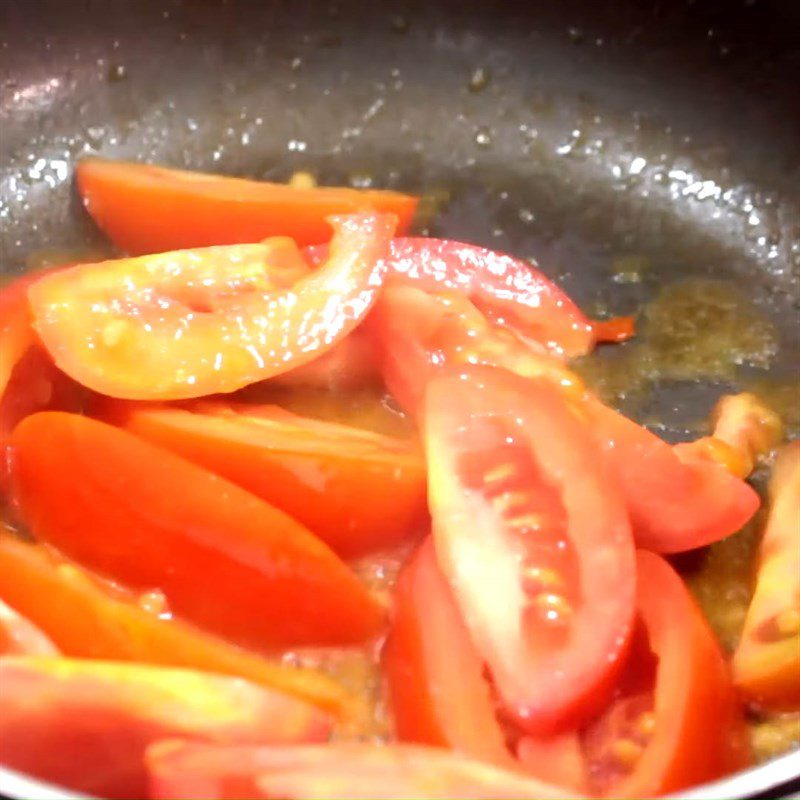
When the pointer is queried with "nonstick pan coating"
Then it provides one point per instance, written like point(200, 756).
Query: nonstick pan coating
point(579, 133)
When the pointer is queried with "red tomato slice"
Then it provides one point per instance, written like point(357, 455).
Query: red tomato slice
point(21, 637)
point(439, 695)
point(189, 771)
point(148, 518)
point(29, 381)
point(675, 503)
point(512, 291)
point(615, 330)
point(197, 322)
point(16, 334)
point(534, 540)
point(88, 617)
point(358, 491)
point(680, 501)
point(676, 720)
point(766, 663)
point(147, 209)
point(556, 759)
point(417, 334)
point(86, 724)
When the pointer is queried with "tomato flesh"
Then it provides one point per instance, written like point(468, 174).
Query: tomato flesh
point(675, 720)
point(86, 724)
point(133, 511)
point(513, 292)
point(189, 771)
point(191, 323)
point(149, 209)
point(358, 491)
point(533, 540)
point(675, 502)
point(418, 334)
point(19, 636)
point(767, 660)
point(87, 617)
point(432, 702)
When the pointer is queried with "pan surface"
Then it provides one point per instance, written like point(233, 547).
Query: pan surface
point(627, 146)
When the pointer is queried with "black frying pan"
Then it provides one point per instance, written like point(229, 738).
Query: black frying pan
point(578, 132)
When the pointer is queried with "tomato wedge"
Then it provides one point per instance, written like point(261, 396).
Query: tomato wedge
point(195, 322)
point(86, 724)
point(16, 334)
point(677, 501)
point(745, 429)
point(766, 663)
point(556, 759)
point(351, 364)
point(682, 500)
point(510, 290)
point(90, 618)
point(437, 689)
point(676, 720)
point(29, 381)
point(148, 209)
point(358, 491)
point(417, 334)
point(21, 637)
point(189, 771)
point(533, 539)
point(148, 518)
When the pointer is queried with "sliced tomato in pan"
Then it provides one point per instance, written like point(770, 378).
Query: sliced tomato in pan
point(149, 209)
point(676, 501)
point(679, 501)
point(534, 540)
point(29, 381)
point(437, 688)
point(675, 720)
point(557, 759)
point(194, 771)
point(88, 617)
point(514, 292)
point(358, 491)
point(195, 322)
point(141, 515)
point(86, 724)
point(20, 636)
point(418, 333)
point(766, 663)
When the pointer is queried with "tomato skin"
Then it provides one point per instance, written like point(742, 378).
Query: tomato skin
point(132, 511)
point(675, 503)
point(351, 364)
point(194, 771)
point(506, 288)
point(19, 636)
point(29, 381)
point(191, 323)
point(431, 702)
point(149, 209)
point(418, 334)
point(86, 724)
point(89, 618)
point(697, 731)
point(766, 664)
point(556, 759)
point(16, 334)
point(546, 686)
point(356, 490)
point(615, 330)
